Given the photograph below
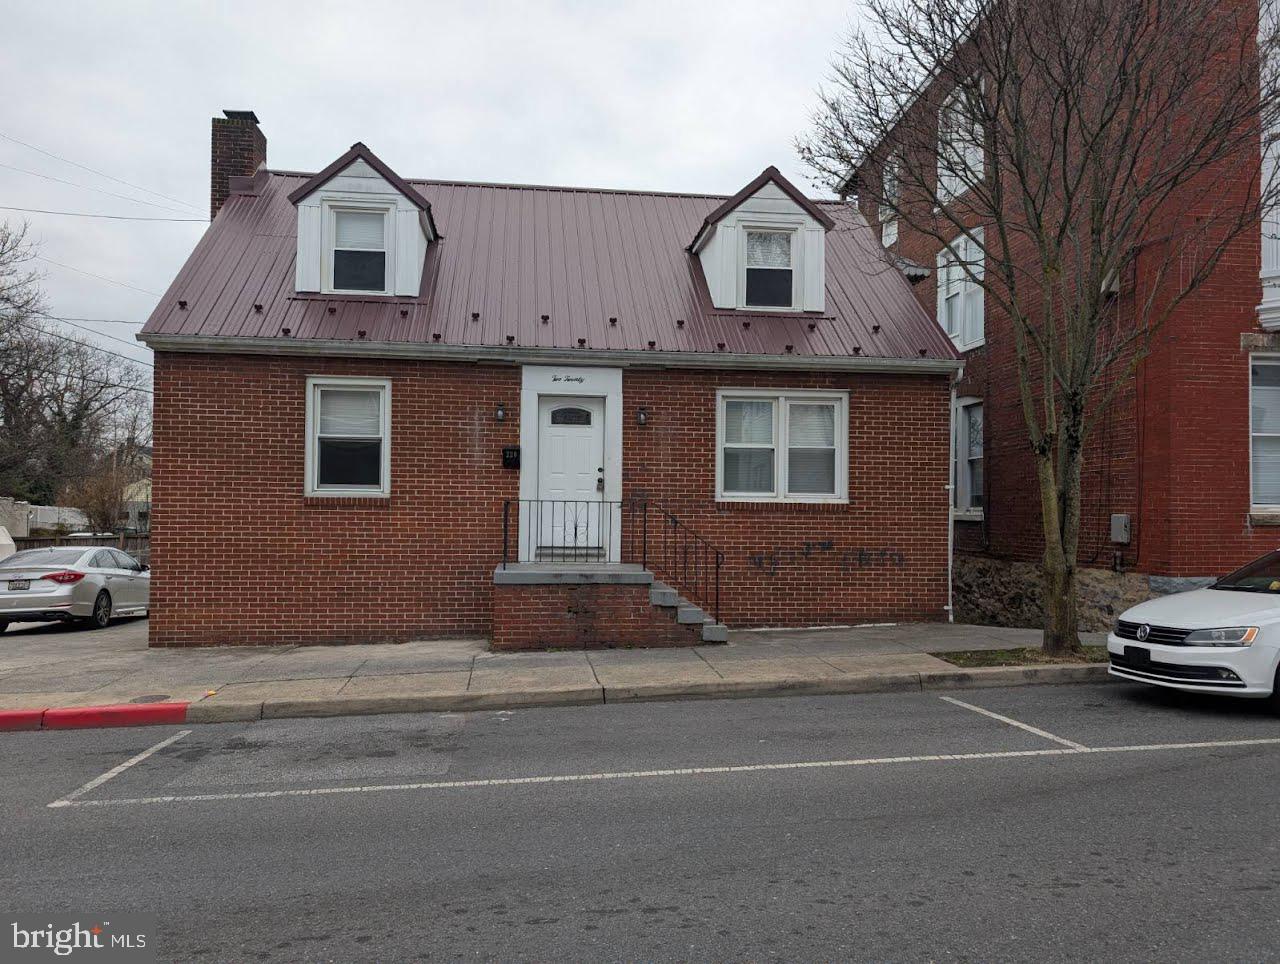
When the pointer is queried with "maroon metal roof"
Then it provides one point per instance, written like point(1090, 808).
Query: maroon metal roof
point(541, 267)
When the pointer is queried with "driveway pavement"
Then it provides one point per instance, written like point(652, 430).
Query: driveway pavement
point(51, 666)
point(1082, 823)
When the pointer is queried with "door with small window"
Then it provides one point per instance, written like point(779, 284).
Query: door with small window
point(569, 514)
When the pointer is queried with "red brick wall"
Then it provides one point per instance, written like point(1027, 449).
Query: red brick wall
point(585, 616)
point(239, 556)
point(881, 557)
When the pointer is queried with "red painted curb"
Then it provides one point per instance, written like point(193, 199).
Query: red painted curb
point(11, 720)
point(124, 714)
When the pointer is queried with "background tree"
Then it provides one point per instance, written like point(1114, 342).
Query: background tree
point(64, 404)
point(1101, 145)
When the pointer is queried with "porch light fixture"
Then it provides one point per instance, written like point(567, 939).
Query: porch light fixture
point(642, 416)
point(501, 413)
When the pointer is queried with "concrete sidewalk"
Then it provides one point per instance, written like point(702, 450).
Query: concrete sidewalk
point(43, 668)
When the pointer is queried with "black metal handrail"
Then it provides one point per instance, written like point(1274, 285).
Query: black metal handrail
point(587, 530)
point(681, 556)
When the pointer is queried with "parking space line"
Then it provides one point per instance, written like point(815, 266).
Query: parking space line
point(1012, 722)
point(115, 771)
point(650, 774)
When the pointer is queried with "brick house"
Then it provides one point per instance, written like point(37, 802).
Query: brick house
point(1182, 476)
point(390, 409)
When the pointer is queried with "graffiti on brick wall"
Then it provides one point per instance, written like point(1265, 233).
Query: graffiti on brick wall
point(825, 553)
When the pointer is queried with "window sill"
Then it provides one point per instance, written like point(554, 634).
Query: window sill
point(746, 502)
point(970, 346)
point(336, 499)
point(1264, 517)
point(968, 515)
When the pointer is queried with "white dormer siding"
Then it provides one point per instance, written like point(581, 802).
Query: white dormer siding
point(723, 252)
point(359, 188)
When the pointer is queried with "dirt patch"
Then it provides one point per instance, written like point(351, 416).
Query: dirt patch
point(1022, 656)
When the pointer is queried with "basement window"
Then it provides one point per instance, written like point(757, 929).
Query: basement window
point(348, 437)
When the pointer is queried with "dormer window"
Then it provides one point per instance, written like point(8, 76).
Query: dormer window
point(769, 269)
point(360, 243)
point(362, 229)
point(764, 249)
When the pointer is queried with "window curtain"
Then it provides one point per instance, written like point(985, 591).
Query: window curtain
point(768, 249)
point(811, 453)
point(360, 230)
point(350, 414)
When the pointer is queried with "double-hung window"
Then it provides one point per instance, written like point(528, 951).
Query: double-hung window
point(968, 458)
point(889, 188)
point(961, 145)
point(1264, 421)
point(769, 270)
point(961, 301)
point(358, 257)
point(348, 436)
point(784, 446)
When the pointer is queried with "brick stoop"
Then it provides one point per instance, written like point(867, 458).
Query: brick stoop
point(544, 606)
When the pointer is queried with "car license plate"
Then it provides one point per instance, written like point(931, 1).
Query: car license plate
point(19, 583)
point(1138, 655)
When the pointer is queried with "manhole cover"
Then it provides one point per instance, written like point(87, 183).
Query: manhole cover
point(152, 698)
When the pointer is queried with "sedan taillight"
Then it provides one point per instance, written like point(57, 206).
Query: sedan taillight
point(64, 577)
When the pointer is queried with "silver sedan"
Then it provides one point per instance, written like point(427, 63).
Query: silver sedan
point(89, 585)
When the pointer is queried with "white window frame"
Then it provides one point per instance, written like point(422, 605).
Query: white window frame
point(962, 505)
point(330, 207)
point(316, 384)
point(782, 397)
point(967, 157)
point(1272, 360)
point(790, 227)
point(955, 282)
point(890, 186)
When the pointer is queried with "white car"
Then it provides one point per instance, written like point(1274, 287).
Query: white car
point(1224, 638)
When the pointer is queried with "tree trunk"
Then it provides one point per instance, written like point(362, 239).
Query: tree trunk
point(1061, 620)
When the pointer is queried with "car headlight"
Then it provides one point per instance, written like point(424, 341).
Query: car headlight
point(1231, 636)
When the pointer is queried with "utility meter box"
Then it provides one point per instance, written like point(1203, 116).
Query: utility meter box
point(1120, 528)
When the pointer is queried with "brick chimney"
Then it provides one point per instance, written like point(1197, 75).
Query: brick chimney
point(237, 149)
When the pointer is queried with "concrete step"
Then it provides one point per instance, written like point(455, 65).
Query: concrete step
point(690, 615)
point(714, 632)
point(660, 594)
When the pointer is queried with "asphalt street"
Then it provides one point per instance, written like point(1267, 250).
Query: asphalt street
point(1034, 823)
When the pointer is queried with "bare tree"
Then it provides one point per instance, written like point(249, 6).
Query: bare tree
point(63, 402)
point(1101, 145)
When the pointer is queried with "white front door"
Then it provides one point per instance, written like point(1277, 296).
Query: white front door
point(569, 511)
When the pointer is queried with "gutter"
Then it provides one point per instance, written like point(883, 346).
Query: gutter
point(568, 356)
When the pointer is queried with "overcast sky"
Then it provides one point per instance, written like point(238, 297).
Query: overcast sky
point(686, 96)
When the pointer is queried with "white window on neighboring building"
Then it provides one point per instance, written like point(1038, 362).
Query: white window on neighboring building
point(968, 458)
point(782, 446)
point(359, 239)
point(961, 297)
point(1264, 428)
point(769, 280)
point(889, 188)
point(348, 425)
point(961, 146)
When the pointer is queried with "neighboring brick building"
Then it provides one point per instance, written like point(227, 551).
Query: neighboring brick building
point(662, 410)
point(1176, 454)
